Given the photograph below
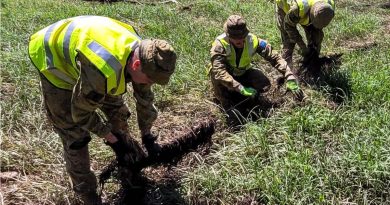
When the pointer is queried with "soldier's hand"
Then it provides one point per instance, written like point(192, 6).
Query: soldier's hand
point(248, 91)
point(127, 150)
point(293, 87)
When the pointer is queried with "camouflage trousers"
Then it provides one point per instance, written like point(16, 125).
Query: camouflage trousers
point(75, 139)
point(313, 35)
point(231, 100)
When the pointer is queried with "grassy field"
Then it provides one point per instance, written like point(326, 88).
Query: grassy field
point(317, 152)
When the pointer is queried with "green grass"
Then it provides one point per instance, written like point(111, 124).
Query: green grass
point(311, 154)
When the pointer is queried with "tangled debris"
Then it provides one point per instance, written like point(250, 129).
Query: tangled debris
point(200, 133)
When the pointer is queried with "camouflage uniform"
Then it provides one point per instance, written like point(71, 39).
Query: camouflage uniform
point(226, 84)
point(107, 54)
point(73, 115)
point(314, 34)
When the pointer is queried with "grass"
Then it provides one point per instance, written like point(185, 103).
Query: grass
point(312, 154)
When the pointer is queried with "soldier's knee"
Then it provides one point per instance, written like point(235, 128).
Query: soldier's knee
point(79, 144)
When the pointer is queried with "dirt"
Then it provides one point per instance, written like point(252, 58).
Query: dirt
point(7, 90)
point(8, 176)
point(385, 5)
point(360, 44)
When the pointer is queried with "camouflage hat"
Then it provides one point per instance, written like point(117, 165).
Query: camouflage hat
point(235, 27)
point(321, 14)
point(158, 60)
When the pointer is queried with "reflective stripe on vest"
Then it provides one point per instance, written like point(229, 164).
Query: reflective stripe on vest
point(107, 57)
point(66, 43)
point(49, 54)
point(250, 46)
point(304, 7)
point(43, 55)
point(105, 42)
point(61, 75)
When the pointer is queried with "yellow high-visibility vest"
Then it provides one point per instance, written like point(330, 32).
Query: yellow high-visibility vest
point(304, 7)
point(250, 46)
point(105, 42)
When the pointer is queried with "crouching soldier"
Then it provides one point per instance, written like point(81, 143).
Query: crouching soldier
point(313, 16)
point(232, 76)
point(85, 63)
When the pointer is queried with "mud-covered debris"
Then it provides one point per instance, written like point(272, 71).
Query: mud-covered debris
point(172, 151)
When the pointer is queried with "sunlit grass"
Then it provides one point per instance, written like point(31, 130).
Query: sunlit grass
point(311, 154)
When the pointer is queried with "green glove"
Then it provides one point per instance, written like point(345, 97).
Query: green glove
point(249, 92)
point(292, 85)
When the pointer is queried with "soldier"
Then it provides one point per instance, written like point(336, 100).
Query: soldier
point(85, 63)
point(231, 72)
point(313, 16)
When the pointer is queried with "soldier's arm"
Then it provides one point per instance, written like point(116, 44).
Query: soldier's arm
point(219, 69)
point(146, 111)
point(265, 50)
point(290, 25)
point(88, 95)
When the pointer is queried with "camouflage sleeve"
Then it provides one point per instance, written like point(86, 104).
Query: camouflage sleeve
point(219, 69)
point(88, 96)
point(290, 25)
point(265, 50)
point(146, 111)
point(116, 113)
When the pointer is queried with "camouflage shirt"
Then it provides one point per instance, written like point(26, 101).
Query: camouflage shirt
point(90, 92)
point(291, 19)
point(220, 71)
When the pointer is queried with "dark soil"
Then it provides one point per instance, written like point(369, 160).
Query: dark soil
point(323, 73)
point(157, 183)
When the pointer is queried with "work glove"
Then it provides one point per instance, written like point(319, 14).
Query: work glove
point(120, 151)
point(127, 150)
point(247, 91)
point(128, 153)
point(293, 87)
point(149, 141)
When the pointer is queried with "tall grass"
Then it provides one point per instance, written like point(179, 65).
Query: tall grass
point(311, 154)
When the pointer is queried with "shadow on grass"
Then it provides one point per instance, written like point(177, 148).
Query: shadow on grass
point(246, 109)
point(324, 74)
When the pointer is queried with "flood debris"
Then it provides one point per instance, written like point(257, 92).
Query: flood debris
point(171, 151)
